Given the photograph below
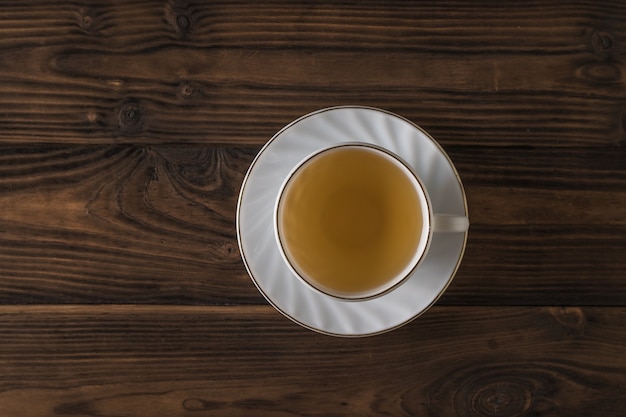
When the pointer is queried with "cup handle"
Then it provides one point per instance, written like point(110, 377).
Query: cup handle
point(450, 223)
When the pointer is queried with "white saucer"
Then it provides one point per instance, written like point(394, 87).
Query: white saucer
point(255, 222)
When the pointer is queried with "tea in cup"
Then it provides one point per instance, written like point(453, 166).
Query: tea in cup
point(353, 221)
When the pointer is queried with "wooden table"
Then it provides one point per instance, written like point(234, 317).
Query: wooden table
point(126, 128)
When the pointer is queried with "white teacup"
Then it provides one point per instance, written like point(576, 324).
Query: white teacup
point(353, 221)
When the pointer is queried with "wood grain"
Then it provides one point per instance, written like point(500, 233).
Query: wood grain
point(120, 224)
point(221, 72)
point(178, 361)
point(125, 224)
point(126, 128)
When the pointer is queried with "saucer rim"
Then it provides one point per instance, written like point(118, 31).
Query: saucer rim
point(448, 279)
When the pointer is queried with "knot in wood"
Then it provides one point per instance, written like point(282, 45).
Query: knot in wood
point(571, 319)
point(199, 404)
point(130, 117)
point(601, 41)
point(87, 19)
point(229, 250)
point(183, 22)
point(487, 390)
point(601, 72)
point(186, 90)
point(500, 398)
point(179, 17)
point(87, 22)
point(189, 92)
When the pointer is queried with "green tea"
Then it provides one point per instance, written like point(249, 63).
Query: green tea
point(350, 220)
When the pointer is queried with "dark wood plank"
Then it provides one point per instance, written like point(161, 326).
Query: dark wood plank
point(121, 224)
point(398, 24)
point(541, 73)
point(125, 224)
point(232, 361)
